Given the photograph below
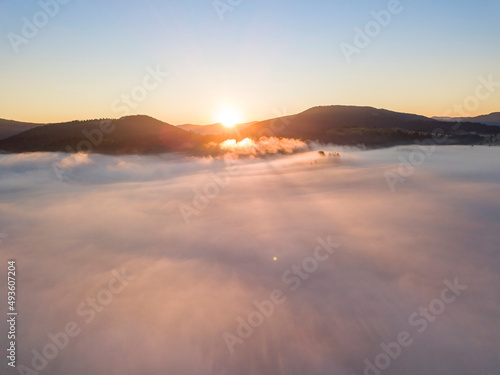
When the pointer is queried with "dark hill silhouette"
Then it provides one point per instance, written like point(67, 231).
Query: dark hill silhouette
point(127, 135)
point(318, 120)
point(332, 124)
point(8, 128)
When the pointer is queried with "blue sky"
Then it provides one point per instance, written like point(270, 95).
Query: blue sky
point(263, 58)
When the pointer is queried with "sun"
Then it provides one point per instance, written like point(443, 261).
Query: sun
point(229, 117)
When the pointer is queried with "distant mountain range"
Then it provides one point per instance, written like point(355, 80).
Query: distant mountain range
point(491, 119)
point(352, 125)
point(343, 125)
point(8, 128)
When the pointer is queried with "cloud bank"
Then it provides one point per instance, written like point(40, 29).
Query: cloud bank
point(184, 286)
point(264, 146)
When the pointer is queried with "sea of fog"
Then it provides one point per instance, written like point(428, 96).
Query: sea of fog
point(377, 262)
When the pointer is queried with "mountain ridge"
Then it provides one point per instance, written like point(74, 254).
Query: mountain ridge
point(349, 125)
point(489, 119)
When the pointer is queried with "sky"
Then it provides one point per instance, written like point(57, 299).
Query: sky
point(189, 61)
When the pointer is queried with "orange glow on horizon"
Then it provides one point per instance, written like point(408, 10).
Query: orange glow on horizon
point(229, 117)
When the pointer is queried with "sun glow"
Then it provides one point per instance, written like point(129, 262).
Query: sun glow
point(229, 118)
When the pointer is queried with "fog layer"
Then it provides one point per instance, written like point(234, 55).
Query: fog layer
point(198, 244)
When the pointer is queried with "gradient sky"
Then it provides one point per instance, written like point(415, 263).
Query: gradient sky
point(264, 59)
